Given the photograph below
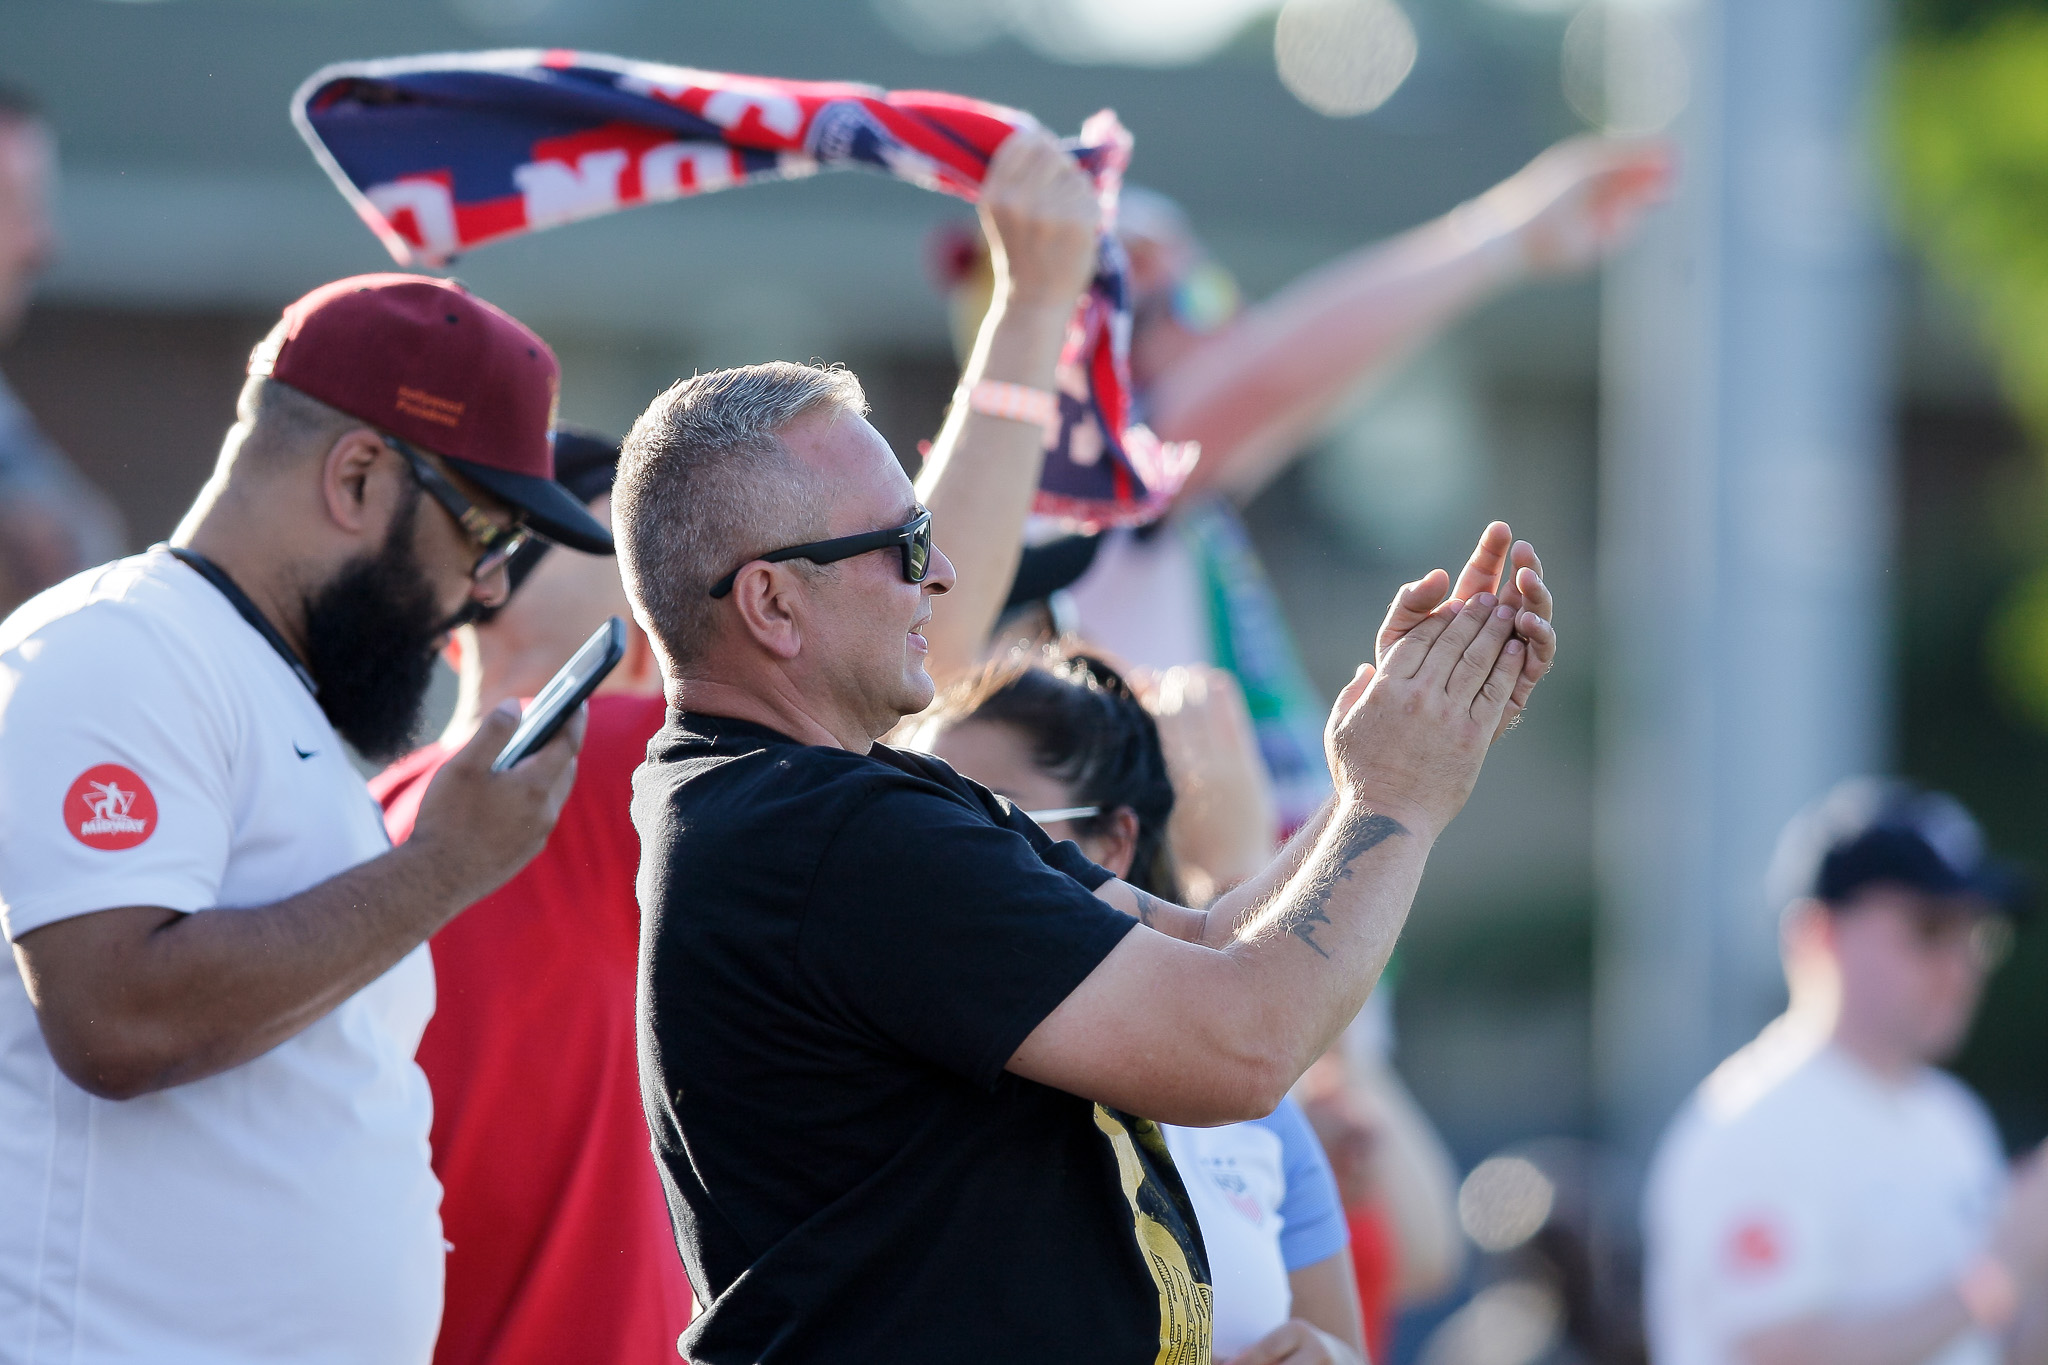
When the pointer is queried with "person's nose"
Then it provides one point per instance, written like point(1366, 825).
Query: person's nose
point(939, 576)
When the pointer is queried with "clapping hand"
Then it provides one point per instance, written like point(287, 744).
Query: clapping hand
point(1497, 556)
point(1505, 567)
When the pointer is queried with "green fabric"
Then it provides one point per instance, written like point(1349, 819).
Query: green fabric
point(1248, 636)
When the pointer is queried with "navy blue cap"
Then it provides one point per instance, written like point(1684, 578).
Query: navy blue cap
point(1869, 830)
point(586, 463)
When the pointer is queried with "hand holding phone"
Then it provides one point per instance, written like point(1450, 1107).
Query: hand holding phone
point(566, 691)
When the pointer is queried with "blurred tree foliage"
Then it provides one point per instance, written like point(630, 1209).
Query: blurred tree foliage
point(1970, 138)
point(1969, 109)
point(1938, 18)
point(1972, 523)
point(1971, 146)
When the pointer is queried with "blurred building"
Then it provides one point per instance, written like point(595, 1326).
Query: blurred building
point(190, 212)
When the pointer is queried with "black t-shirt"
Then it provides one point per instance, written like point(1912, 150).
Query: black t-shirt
point(839, 954)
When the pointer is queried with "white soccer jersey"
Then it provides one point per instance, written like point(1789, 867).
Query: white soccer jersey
point(154, 750)
point(1797, 1181)
point(1236, 1180)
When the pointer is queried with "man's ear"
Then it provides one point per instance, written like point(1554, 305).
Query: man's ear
point(769, 598)
point(1807, 928)
point(349, 489)
point(1812, 969)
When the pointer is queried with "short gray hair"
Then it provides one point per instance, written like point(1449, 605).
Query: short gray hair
point(706, 484)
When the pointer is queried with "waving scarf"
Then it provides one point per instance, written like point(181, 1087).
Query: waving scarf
point(441, 154)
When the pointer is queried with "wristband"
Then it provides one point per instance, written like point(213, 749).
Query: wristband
point(1016, 403)
point(1989, 1293)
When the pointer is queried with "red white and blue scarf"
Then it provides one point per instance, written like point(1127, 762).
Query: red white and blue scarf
point(444, 153)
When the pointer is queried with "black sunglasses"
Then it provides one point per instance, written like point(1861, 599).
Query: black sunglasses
point(497, 543)
point(913, 537)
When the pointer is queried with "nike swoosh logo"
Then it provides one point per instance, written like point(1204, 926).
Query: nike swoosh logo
point(303, 753)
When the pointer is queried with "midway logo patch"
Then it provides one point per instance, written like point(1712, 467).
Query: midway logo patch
point(110, 807)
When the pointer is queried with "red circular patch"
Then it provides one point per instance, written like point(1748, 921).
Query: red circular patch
point(110, 807)
point(1756, 1247)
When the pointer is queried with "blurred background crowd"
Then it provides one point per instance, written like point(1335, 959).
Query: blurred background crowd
point(1798, 423)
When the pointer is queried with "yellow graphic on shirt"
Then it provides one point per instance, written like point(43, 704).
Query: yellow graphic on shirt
point(1185, 1303)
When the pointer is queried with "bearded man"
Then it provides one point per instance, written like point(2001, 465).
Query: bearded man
point(213, 1137)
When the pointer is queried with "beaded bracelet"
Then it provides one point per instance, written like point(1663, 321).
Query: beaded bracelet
point(1016, 403)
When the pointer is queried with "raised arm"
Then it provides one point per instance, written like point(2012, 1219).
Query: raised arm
point(1216, 1030)
point(138, 998)
point(1253, 393)
point(1041, 218)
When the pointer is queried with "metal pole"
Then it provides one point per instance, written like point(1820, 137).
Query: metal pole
point(1745, 522)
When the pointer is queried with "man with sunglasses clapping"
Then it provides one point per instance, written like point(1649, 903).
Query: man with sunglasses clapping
point(903, 1056)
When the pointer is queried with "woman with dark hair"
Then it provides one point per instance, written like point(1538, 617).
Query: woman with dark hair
point(1065, 738)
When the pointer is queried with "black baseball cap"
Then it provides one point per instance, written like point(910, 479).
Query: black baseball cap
point(1043, 570)
point(586, 464)
point(1869, 830)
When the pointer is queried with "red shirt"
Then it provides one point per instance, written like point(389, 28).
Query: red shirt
point(1375, 1264)
point(562, 1245)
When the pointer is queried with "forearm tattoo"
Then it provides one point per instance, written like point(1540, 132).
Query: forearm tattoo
point(1360, 838)
point(1148, 906)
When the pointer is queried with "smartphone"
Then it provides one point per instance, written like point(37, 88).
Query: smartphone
point(566, 691)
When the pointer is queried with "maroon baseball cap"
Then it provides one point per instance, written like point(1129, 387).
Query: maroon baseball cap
point(432, 364)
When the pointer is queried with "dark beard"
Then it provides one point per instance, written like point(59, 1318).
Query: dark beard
point(372, 633)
